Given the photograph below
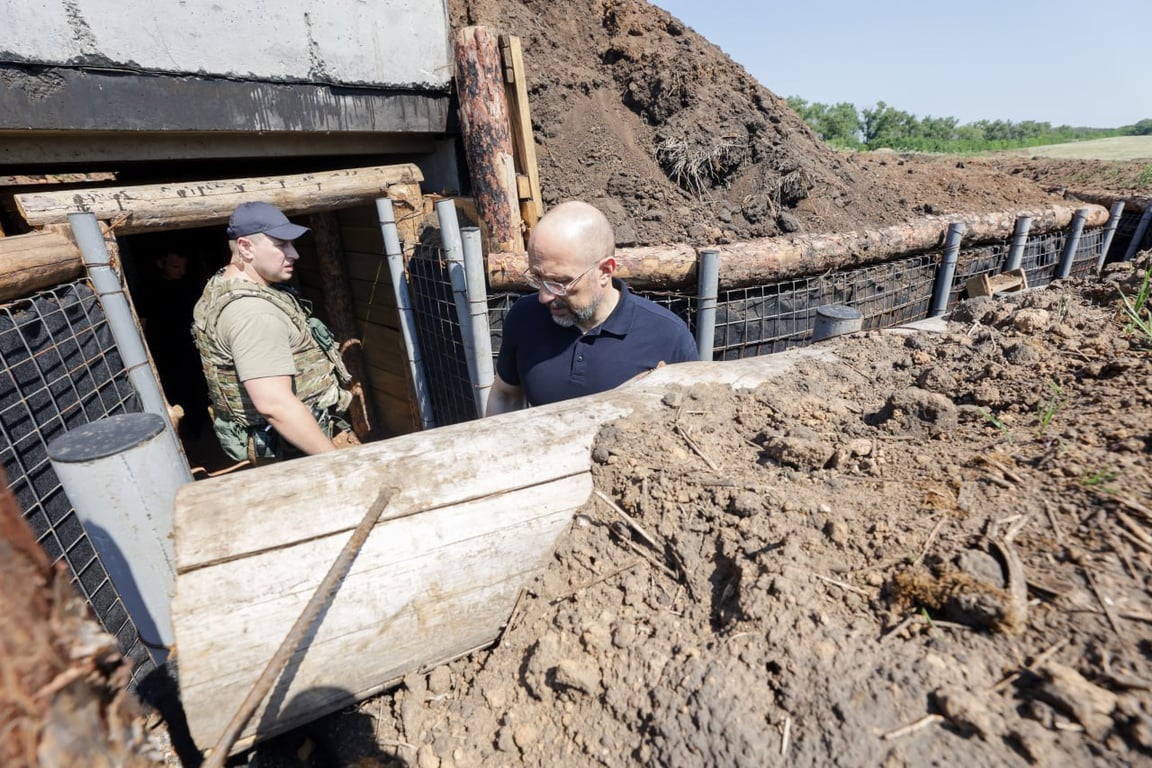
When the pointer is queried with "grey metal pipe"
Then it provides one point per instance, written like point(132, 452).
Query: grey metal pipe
point(395, 255)
point(1068, 255)
point(943, 287)
point(454, 257)
point(836, 320)
point(1138, 235)
point(1114, 216)
point(1019, 241)
point(114, 301)
point(121, 474)
point(478, 312)
point(707, 293)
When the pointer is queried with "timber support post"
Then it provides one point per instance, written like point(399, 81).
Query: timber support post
point(485, 129)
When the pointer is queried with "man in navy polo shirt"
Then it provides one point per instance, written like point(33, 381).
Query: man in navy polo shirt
point(584, 331)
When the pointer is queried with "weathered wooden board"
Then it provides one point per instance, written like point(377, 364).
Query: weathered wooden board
point(424, 588)
point(478, 508)
point(205, 203)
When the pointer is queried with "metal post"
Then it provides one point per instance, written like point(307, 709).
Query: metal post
point(1019, 241)
point(114, 301)
point(1109, 231)
point(454, 258)
point(1138, 235)
point(944, 276)
point(121, 474)
point(707, 292)
point(1068, 255)
point(478, 311)
point(387, 218)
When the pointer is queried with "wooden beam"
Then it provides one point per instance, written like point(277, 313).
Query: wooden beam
point(155, 207)
point(777, 258)
point(484, 127)
point(531, 201)
point(37, 260)
point(470, 524)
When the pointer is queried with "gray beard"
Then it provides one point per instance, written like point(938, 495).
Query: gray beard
point(576, 316)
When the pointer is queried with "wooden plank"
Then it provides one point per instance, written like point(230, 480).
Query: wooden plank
point(37, 260)
point(209, 203)
point(522, 139)
point(424, 586)
point(399, 415)
point(441, 467)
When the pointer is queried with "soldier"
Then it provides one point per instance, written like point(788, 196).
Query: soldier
point(275, 377)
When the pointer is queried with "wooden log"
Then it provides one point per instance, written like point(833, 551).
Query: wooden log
point(778, 258)
point(659, 266)
point(342, 320)
point(485, 129)
point(531, 200)
point(37, 260)
point(206, 203)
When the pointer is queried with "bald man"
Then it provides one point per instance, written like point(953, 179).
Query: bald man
point(584, 331)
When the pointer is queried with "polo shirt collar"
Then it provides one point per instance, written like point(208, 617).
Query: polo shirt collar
point(620, 321)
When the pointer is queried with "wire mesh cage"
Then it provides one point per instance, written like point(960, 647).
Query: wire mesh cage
point(60, 369)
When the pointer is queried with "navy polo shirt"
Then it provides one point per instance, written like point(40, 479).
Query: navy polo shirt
point(552, 363)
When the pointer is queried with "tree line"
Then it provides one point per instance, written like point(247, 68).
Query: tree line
point(844, 125)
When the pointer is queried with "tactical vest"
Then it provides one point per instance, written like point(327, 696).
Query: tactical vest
point(321, 375)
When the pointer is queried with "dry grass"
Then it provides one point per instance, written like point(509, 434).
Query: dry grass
point(695, 168)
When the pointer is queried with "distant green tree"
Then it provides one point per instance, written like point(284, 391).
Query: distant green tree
point(1141, 128)
point(837, 124)
point(885, 126)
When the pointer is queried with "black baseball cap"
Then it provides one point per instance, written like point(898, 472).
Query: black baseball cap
point(251, 218)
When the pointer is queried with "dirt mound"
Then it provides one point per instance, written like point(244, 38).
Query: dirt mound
point(636, 113)
point(936, 550)
point(1120, 178)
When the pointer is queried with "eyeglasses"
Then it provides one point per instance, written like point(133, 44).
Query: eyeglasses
point(553, 287)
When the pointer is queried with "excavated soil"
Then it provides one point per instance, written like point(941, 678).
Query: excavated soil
point(936, 550)
point(637, 114)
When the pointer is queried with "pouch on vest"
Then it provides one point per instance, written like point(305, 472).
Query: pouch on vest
point(233, 438)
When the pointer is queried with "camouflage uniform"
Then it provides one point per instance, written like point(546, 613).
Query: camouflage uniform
point(319, 382)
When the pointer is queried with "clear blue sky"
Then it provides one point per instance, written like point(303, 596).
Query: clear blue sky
point(1066, 62)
